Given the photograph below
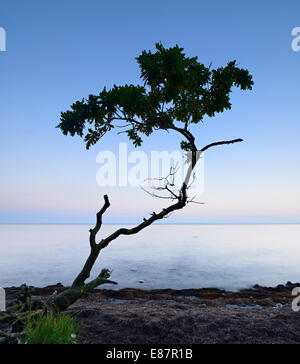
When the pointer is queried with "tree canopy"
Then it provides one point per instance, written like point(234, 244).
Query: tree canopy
point(177, 91)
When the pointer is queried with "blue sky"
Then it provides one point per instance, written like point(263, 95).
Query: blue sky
point(61, 51)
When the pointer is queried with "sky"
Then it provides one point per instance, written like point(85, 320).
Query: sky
point(58, 52)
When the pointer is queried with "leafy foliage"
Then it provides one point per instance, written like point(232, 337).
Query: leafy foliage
point(177, 89)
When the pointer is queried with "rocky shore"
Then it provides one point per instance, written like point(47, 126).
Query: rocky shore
point(261, 315)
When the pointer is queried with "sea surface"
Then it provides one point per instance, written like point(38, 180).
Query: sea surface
point(163, 256)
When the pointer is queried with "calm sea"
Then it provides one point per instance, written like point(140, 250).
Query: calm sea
point(164, 256)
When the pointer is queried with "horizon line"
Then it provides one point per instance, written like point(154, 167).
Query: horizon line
point(158, 223)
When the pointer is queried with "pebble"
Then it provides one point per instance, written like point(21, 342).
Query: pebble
point(278, 305)
point(188, 297)
point(245, 307)
point(115, 300)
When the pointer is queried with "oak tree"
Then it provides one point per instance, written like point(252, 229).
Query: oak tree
point(176, 92)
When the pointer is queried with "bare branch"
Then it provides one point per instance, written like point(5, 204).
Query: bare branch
point(162, 214)
point(103, 278)
point(86, 271)
point(79, 287)
point(165, 188)
point(152, 194)
point(221, 143)
point(94, 232)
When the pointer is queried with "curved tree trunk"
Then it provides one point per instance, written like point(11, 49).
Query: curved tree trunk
point(79, 287)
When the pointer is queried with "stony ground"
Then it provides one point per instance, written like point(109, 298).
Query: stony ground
point(204, 316)
point(188, 317)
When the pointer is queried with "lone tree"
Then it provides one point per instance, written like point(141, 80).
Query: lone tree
point(178, 92)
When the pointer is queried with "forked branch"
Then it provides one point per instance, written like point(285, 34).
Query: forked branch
point(80, 287)
point(94, 232)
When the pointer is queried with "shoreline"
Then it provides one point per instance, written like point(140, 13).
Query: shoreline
point(281, 291)
point(261, 315)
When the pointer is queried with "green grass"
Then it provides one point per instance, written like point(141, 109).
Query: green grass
point(49, 329)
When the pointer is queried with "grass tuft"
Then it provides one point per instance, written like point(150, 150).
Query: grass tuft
point(47, 330)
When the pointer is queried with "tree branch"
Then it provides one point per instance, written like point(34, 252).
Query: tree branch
point(221, 143)
point(103, 278)
point(79, 287)
point(94, 232)
point(177, 206)
point(86, 271)
point(182, 200)
point(187, 134)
